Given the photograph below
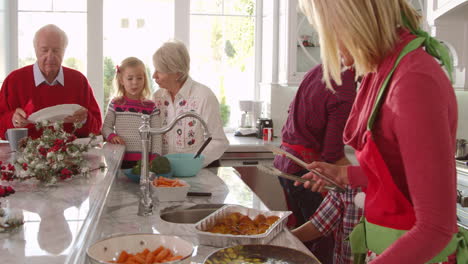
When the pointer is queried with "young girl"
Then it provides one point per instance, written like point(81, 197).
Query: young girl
point(123, 116)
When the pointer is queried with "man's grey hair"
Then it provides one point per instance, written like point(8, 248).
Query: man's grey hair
point(173, 57)
point(52, 28)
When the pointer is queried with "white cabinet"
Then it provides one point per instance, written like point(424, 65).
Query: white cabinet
point(448, 21)
point(299, 49)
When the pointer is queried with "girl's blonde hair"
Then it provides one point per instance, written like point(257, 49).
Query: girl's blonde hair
point(366, 28)
point(119, 89)
point(173, 57)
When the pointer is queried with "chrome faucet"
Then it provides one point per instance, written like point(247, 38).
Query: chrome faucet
point(145, 207)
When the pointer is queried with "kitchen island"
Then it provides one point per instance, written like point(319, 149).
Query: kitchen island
point(61, 221)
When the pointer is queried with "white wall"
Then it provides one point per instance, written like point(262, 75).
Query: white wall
point(281, 97)
point(462, 98)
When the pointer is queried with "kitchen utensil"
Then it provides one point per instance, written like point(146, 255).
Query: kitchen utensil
point(14, 136)
point(227, 240)
point(275, 172)
point(460, 148)
point(165, 194)
point(207, 141)
point(278, 151)
point(108, 249)
point(184, 165)
point(198, 194)
point(54, 113)
point(263, 254)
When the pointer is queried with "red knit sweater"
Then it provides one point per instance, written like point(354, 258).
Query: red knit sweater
point(19, 91)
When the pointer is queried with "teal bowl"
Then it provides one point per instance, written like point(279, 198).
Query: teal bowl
point(136, 177)
point(184, 165)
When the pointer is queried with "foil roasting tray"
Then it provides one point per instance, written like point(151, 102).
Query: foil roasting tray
point(227, 240)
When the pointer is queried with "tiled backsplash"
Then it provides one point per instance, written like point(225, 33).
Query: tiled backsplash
point(462, 98)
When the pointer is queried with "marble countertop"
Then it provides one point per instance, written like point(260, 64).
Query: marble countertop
point(63, 220)
point(120, 212)
point(59, 218)
point(248, 144)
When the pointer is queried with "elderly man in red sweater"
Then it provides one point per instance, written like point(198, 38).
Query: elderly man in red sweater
point(47, 83)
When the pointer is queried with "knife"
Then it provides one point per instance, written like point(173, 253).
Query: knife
point(198, 194)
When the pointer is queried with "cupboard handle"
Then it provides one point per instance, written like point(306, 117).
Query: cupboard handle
point(253, 162)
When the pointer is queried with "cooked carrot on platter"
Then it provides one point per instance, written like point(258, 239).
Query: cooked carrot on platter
point(159, 255)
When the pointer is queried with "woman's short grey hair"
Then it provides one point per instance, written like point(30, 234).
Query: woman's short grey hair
point(173, 57)
point(52, 28)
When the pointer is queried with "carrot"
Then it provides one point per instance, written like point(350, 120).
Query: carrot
point(164, 182)
point(150, 257)
point(156, 251)
point(145, 252)
point(159, 255)
point(137, 259)
point(162, 255)
point(122, 257)
point(174, 258)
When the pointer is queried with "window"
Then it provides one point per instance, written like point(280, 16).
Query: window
point(222, 51)
point(220, 35)
point(3, 41)
point(68, 15)
point(134, 29)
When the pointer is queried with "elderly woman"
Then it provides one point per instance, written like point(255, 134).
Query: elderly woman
point(179, 94)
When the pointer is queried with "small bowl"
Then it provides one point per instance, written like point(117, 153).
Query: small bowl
point(184, 165)
point(108, 249)
point(136, 177)
point(173, 194)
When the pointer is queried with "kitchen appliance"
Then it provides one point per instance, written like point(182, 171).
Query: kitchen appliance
point(263, 123)
point(462, 195)
point(250, 110)
point(460, 149)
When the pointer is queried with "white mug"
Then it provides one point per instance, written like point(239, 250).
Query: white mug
point(14, 135)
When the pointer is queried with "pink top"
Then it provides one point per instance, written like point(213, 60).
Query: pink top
point(415, 131)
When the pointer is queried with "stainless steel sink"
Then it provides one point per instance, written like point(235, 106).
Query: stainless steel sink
point(190, 215)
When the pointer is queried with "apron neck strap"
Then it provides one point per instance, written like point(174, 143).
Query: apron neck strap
point(414, 44)
point(434, 47)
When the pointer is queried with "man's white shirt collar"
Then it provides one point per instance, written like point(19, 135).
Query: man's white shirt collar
point(39, 77)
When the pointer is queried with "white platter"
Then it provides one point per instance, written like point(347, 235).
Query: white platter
point(54, 113)
point(107, 249)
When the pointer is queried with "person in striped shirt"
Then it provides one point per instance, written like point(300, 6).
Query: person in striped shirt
point(124, 113)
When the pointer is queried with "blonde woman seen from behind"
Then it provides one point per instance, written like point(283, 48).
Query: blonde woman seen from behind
point(405, 104)
point(178, 94)
point(124, 113)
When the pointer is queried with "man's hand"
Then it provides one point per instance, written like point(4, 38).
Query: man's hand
point(19, 118)
point(117, 140)
point(77, 117)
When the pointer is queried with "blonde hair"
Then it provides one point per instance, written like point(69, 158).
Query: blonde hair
point(366, 28)
point(119, 89)
point(173, 57)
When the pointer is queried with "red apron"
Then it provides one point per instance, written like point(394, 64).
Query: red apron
point(388, 213)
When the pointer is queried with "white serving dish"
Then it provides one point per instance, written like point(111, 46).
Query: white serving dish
point(109, 249)
point(173, 194)
point(227, 240)
point(54, 113)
